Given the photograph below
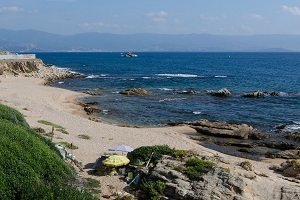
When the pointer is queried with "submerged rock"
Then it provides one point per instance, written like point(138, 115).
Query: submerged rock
point(94, 92)
point(187, 92)
point(135, 91)
point(224, 92)
point(256, 94)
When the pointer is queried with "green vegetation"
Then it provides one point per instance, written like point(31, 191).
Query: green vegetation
point(30, 166)
point(85, 137)
point(39, 130)
point(296, 163)
point(182, 153)
point(154, 190)
point(143, 154)
point(50, 124)
point(69, 145)
point(92, 183)
point(12, 115)
point(49, 134)
point(195, 167)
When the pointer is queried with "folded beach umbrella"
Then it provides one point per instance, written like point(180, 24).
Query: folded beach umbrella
point(122, 148)
point(116, 161)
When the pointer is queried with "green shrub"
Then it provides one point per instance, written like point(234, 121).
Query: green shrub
point(195, 167)
point(143, 154)
point(153, 189)
point(62, 131)
point(30, 167)
point(12, 115)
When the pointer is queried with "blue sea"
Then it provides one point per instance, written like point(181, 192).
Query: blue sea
point(165, 73)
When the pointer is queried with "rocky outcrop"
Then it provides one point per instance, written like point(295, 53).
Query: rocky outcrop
point(35, 68)
point(290, 168)
point(16, 67)
point(223, 129)
point(224, 92)
point(135, 92)
point(287, 154)
point(216, 184)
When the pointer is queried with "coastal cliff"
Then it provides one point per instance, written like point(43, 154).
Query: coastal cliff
point(34, 68)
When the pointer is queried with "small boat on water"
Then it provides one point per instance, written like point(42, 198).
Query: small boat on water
point(129, 55)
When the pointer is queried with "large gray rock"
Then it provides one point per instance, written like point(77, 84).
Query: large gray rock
point(216, 184)
point(223, 129)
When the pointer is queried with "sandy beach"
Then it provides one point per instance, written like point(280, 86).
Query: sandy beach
point(39, 102)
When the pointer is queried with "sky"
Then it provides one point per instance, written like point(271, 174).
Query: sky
point(222, 17)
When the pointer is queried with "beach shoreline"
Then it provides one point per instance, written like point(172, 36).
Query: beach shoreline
point(60, 106)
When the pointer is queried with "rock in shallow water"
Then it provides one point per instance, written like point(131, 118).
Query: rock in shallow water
point(135, 91)
point(256, 94)
point(224, 92)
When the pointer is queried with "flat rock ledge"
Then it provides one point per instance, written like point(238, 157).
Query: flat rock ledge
point(222, 129)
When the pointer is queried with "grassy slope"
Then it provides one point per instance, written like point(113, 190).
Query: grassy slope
point(30, 168)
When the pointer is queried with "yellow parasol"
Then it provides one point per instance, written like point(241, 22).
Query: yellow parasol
point(116, 161)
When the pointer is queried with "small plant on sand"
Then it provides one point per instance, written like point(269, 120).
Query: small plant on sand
point(182, 153)
point(69, 145)
point(50, 124)
point(85, 137)
point(62, 131)
point(195, 167)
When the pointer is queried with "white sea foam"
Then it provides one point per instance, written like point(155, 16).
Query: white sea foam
point(220, 76)
point(116, 92)
point(132, 79)
point(93, 76)
point(146, 77)
point(170, 99)
point(60, 82)
point(197, 112)
point(165, 89)
point(179, 75)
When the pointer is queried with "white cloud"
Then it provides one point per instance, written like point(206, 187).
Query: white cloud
point(256, 16)
point(212, 18)
point(5, 9)
point(294, 10)
point(159, 17)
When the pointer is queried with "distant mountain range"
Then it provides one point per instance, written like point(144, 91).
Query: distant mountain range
point(31, 40)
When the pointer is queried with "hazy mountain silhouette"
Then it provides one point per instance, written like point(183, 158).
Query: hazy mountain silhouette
point(31, 40)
